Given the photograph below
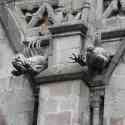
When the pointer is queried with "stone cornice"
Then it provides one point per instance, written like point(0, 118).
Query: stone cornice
point(73, 72)
point(68, 72)
point(112, 34)
point(68, 27)
point(59, 73)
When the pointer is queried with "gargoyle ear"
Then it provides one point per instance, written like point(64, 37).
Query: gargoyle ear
point(90, 49)
point(16, 73)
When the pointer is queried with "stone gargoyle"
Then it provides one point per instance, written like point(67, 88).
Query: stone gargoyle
point(95, 58)
point(32, 65)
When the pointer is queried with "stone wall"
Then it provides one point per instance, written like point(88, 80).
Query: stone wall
point(6, 54)
point(16, 100)
point(115, 98)
point(64, 103)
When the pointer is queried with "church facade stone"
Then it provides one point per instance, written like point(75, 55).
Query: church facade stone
point(43, 85)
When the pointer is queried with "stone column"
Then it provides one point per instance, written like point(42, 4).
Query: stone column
point(96, 111)
point(64, 97)
point(68, 39)
point(85, 12)
point(99, 10)
point(97, 103)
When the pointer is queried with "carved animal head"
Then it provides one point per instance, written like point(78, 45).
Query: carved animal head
point(32, 65)
point(20, 65)
point(96, 58)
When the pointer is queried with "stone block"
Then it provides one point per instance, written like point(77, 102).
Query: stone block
point(4, 86)
point(60, 89)
point(58, 119)
point(62, 57)
point(48, 106)
point(119, 121)
point(119, 71)
point(2, 119)
point(64, 43)
point(16, 99)
point(70, 103)
point(64, 97)
point(114, 111)
point(64, 46)
point(21, 119)
point(111, 47)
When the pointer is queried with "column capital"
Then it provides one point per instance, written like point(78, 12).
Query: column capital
point(95, 102)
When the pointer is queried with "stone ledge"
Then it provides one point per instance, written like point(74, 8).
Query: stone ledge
point(66, 73)
point(59, 73)
point(68, 27)
point(113, 34)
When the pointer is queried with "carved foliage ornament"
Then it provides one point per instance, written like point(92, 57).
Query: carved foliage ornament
point(48, 14)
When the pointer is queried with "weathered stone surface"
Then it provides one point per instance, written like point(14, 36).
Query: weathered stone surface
point(62, 102)
point(16, 101)
point(49, 106)
point(111, 47)
point(61, 89)
point(12, 28)
point(63, 48)
point(58, 119)
point(67, 71)
point(114, 99)
point(64, 98)
point(5, 64)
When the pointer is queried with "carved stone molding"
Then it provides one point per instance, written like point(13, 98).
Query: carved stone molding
point(114, 34)
point(114, 8)
point(36, 13)
point(69, 29)
point(68, 72)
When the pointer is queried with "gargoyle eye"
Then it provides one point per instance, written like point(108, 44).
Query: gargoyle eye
point(90, 49)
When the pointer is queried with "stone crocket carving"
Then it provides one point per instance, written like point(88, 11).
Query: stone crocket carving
point(65, 16)
point(113, 8)
point(45, 11)
point(32, 65)
point(95, 58)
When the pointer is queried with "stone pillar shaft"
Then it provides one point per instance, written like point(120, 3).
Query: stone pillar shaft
point(96, 117)
point(96, 110)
